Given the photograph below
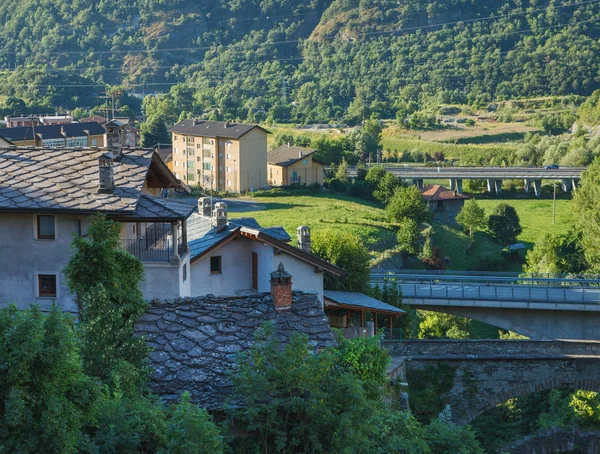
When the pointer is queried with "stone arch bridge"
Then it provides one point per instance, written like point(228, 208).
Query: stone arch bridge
point(490, 372)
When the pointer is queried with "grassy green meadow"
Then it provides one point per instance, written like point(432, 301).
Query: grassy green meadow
point(324, 210)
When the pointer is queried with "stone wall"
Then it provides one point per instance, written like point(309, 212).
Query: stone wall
point(196, 341)
point(497, 348)
point(553, 440)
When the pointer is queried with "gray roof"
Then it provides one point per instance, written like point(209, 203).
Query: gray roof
point(158, 208)
point(196, 340)
point(214, 128)
point(34, 179)
point(52, 131)
point(360, 300)
point(286, 155)
point(202, 237)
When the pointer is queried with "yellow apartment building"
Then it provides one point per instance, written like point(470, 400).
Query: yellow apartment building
point(293, 165)
point(225, 156)
point(90, 134)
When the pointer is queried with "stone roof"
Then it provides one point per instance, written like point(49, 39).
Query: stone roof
point(52, 131)
point(222, 129)
point(159, 208)
point(435, 192)
point(360, 301)
point(286, 155)
point(196, 340)
point(34, 179)
point(166, 154)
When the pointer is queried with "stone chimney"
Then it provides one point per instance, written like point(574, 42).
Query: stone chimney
point(106, 173)
point(303, 234)
point(204, 206)
point(219, 216)
point(281, 288)
point(300, 154)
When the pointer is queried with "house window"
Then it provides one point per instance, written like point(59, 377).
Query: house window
point(228, 169)
point(206, 166)
point(215, 265)
point(304, 162)
point(174, 137)
point(191, 177)
point(439, 205)
point(94, 142)
point(228, 143)
point(228, 156)
point(45, 227)
point(47, 285)
point(184, 272)
point(228, 182)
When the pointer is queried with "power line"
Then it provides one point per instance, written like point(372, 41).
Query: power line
point(214, 47)
point(244, 62)
point(424, 63)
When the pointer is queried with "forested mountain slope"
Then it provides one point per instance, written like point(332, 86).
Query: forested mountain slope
point(299, 60)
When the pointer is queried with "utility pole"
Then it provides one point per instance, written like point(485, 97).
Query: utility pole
point(554, 205)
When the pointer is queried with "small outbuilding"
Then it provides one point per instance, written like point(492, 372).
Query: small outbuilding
point(348, 311)
point(444, 204)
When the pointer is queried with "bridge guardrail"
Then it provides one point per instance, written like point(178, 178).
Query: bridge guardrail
point(519, 293)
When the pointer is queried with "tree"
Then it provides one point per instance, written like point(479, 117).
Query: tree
point(585, 203)
point(296, 401)
point(46, 397)
point(347, 252)
point(407, 203)
point(544, 257)
point(408, 236)
point(472, 217)
point(153, 131)
point(504, 224)
point(342, 172)
point(386, 187)
point(105, 280)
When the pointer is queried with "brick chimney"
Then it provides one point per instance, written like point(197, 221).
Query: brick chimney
point(219, 216)
point(106, 173)
point(281, 288)
point(204, 206)
point(303, 235)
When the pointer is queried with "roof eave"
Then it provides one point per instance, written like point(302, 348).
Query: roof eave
point(293, 251)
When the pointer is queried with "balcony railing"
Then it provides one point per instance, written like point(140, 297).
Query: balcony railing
point(153, 253)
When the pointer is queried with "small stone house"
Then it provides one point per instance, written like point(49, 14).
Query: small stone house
point(444, 204)
point(287, 165)
point(196, 341)
point(231, 257)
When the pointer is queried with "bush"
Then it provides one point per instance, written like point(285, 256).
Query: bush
point(46, 397)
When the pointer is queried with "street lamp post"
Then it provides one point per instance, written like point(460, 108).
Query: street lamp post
point(554, 205)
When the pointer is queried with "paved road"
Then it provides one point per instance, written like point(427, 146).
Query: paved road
point(480, 173)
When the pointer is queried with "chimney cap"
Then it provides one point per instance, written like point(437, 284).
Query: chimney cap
point(280, 272)
point(107, 155)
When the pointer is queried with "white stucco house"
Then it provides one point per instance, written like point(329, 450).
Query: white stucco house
point(237, 256)
point(48, 195)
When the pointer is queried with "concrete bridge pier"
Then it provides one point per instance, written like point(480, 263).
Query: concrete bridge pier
point(527, 185)
point(498, 186)
point(574, 183)
point(491, 186)
point(452, 184)
point(456, 185)
point(567, 184)
point(537, 187)
point(418, 182)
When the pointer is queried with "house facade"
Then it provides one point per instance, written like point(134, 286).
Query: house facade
point(90, 134)
point(444, 204)
point(288, 165)
point(220, 155)
point(233, 257)
point(48, 195)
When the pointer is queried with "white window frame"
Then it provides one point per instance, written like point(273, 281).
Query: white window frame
point(36, 285)
point(35, 227)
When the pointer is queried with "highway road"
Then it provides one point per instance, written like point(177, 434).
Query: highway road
point(481, 173)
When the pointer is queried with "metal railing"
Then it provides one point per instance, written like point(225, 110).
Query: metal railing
point(520, 293)
point(396, 334)
point(153, 253)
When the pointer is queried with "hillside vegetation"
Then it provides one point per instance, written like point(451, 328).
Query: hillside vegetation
point(302, 61)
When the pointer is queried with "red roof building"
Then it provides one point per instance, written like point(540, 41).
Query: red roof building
point(444, 203)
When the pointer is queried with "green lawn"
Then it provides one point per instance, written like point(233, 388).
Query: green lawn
point(536, 216)
point(321, 211)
